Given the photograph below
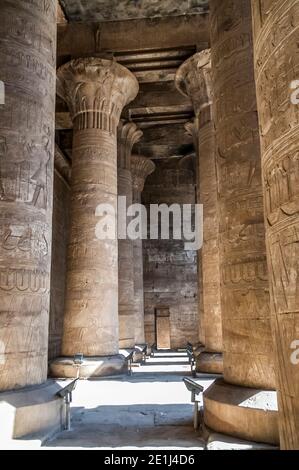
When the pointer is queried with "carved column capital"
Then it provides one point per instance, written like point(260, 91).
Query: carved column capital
point(141, 168)
point(96, 90)
point(128, 134)
point(193, 79)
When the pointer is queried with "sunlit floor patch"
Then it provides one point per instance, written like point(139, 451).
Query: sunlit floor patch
point(150, 409)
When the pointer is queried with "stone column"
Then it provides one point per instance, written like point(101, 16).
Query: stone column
point(192, 130)
point(141, 168)
point(28, 70)
point(193, 79)
point(244, 403)
point(276, 37)
point(96, 91)
point(128, 135)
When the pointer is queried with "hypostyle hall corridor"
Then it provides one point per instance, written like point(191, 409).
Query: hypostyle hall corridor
point(149, 409)
point(149, 224)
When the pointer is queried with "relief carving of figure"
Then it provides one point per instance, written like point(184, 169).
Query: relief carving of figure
point(42, 151)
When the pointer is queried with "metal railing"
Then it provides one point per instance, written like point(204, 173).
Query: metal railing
point(66, 393)
point(196, 389)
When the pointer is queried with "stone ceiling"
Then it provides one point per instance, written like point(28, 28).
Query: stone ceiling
point(119, 10)
point(153, 50)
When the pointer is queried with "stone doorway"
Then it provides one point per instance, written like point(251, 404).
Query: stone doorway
point(163, 328)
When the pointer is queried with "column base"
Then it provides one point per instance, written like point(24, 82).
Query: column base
point(222, 442)
point(211, 363)
point(97, 366)
point(31, 411)
point(138, 356)
point(245, 413)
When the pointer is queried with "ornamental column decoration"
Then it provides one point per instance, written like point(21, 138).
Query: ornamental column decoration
point(193, 79)
point(96, 91)
point(141, 168)
point(128, 135)
point(276, 37)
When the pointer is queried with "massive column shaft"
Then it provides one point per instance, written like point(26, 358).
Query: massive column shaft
point(276, 37)
point(245, 302)
point(141, 168)
point(96, 91)
point(193, 79)
point(128, 135)
point(28, 70)
point(192, 129)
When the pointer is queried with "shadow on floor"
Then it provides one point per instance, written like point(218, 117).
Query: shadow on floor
point(144, 376)
point(148, 425)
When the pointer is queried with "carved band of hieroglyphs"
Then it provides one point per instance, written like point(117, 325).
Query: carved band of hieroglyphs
point(24, 280)
point(245, 272)
point(25, 112)
point(26, 33)
point(286, 23)
point(17, 59)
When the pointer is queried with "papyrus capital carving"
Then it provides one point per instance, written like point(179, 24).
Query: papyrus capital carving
point(96, 91)
point(193, 79)
point(128, 134)
point(141, 168)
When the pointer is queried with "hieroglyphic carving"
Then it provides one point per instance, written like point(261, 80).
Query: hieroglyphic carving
point(24, 280)
point(28, 46)
point(276, 36)
point(96, 91)
point(244, 286)
point(25, 239)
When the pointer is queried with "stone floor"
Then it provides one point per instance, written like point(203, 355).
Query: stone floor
point(149, 409)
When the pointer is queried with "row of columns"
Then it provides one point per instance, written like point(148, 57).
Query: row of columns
point(103, 311)
point(101, 314)
point(257, 204)
point(254, 194)
point(132, 173)
point(193, 79)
